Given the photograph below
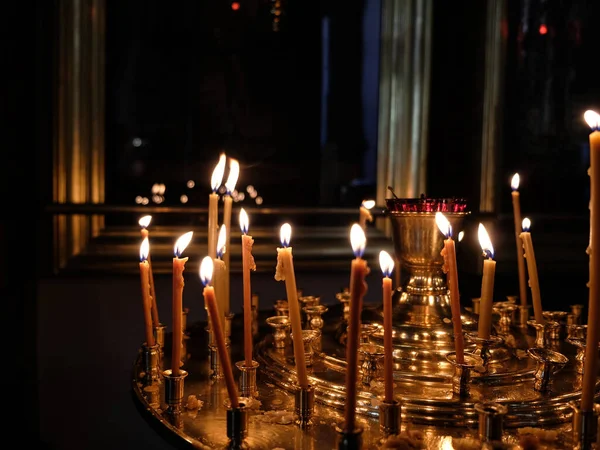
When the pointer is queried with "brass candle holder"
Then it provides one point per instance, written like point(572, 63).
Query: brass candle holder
point(390, 417)
point(484, 346)
point(461, 380)
point(150, 364)
point(577, 310)
point(308, 338)
point(540, 333)
point(214, 360)
point(281, 327)
point(505, 310)
point(344, 298)
point(315, 316)
point(548, 363)
point(555, 320)
point(585, 427)
point(237, 425)
point(247, 381)
point(174, 385)
point(371, 355)
point(491, 421)
point(304, 405)
point(576, 331)
point(282, 308)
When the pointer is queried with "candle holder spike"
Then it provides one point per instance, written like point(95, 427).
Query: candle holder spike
point(548, 363)
point(390, 416)
point(461, 380)
point(281, 327)
point(304, 405)
point(491, 421)
point(237, 425)
point(247, 381)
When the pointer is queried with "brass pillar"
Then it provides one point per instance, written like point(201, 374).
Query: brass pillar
point(403, 98)
point(79, 121)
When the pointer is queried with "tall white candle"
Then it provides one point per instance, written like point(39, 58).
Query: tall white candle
point(219, 275)
point(534, 283)
point(213, 205)
point(247, 265)
point(487, 284)
point(516, 201)
point(590, 368)
point(234, 171)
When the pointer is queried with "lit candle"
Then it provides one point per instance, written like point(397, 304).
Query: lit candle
point(146, 303)
point(534, 283)
point(213, 205)
point(218, 278)
point(365, 213)
point(144, 223)
point(590, 367)
point(247, 265)
point(358, 289)
point(206, 269)
point(234, 172)
point(514, 184)
point(451, 271)
point(178, 266)
point(387, 266)
point(487, 284)
point(285, 272)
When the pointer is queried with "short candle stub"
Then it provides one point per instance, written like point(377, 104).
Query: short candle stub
point(304, 406)
point(390, 414)
point(350, 440)
point(237, 425)
point(491, 421)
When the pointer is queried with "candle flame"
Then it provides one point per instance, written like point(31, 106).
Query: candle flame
point(145, 221)
point(182, 243)
point(515, 181)
point(526, 224)
point(234, 173)
point(485, 242)
point(206, 270)
point(358, 240)
point(221, 241)
point(368, 203)
point(461, 235)
point(593, 119)
point(144, 249)
point(443, 224)
point(217, 176)
point(446, 443)
point(386, 263)
point(244, 221)
point(285, 234)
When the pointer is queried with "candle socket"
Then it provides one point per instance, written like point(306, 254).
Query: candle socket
point(214, 360)
point(247, 381)
point(282, 308)
point(576, 331)
point(366, 331)
point(237, 425)
point(344, 298)
point(524, 315)
point(308, 338)
point(314, 316)
point(484, 346)
point(548, 363)
point(556, 320)
point(491, 421)
point(506, 311)
point(540, 333)
point(304, 401)
point(174, 392)
point(159, 335)
point(281, 326)
point(349, 440)
point(576, 310)
point(390, 416)
point(461, 380)
point(227, 328)
point(150, 364)
point(585, 427)
point(371, 354)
